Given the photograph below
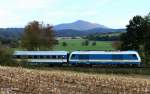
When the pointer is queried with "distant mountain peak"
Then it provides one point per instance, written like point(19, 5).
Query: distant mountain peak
point(80, 21)
point(79, 25)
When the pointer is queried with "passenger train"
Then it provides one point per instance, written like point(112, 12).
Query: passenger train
point(79, 57)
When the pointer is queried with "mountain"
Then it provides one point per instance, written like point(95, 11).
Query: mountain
point(79, 25)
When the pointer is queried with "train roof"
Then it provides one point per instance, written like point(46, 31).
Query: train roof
point(104, 52)
point(40, 53)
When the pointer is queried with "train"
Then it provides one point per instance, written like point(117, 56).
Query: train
point(75, 58)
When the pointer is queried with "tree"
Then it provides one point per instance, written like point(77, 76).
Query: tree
point(133, 38)
point(94, 43)
point(116, 44)
point(85, 43)
point(37, 36)
point(147, 39)
point(64, 44)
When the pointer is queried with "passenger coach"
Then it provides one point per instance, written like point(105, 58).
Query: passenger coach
point(105, 57)
point(42, 57)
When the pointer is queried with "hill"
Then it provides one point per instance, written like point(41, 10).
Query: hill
point(79, 25)
point(10, 33)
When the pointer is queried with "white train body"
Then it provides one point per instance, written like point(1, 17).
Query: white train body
point(47, 57)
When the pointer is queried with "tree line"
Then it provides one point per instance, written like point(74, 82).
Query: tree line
point(102, 37)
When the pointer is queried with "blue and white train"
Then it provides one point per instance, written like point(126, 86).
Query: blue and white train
point(105, 57)
point(79, 57)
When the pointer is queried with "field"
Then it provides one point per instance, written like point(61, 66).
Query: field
point(27, 81)
point(75, 44)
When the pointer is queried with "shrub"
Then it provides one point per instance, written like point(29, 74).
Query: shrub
point(64, 44)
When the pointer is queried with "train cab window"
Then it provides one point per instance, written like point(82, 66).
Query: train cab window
point(73, 56)
point(134, 55)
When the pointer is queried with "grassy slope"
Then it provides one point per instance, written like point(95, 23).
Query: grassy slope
point(75, 44)
point(25, 81)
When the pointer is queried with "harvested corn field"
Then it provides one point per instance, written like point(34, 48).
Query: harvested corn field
point(27, 81)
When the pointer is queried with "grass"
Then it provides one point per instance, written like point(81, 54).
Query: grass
point(27, 81)
point(75, 44)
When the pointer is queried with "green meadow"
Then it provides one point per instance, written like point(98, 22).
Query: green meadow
point(76, 44)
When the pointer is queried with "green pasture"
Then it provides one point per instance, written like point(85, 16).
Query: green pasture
point(76, 44)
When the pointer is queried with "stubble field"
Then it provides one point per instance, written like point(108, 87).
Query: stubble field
point(27, 81)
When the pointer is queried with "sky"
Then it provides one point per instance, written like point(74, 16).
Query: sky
point(111, 13)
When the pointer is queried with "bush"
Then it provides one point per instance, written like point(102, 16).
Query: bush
point(6, 58)
point(85, 43)
point(94, 43)
point(64, 44)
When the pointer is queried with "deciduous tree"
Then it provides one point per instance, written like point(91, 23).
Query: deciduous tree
point(37, 36)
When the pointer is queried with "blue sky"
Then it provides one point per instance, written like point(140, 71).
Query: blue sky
point(111, 13)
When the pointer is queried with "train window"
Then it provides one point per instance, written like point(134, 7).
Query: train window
point(35, 57)
point(48, 56)
point(41, 57)
point(23, 56)
point(83, 56)
point(30, 56)
point(117, 57)
point(56, 57)
point(59, 57)
point(53, 57)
